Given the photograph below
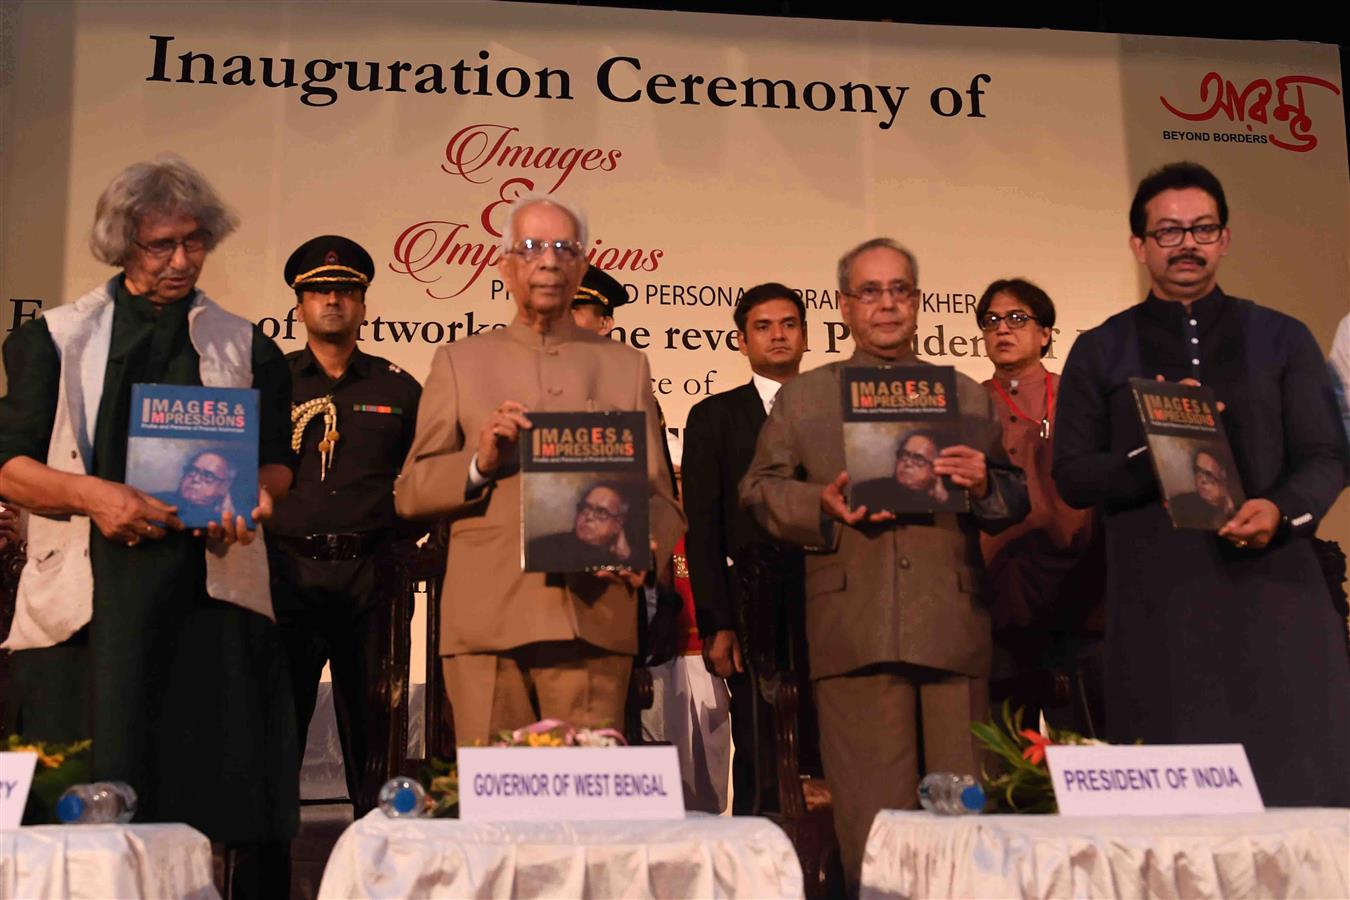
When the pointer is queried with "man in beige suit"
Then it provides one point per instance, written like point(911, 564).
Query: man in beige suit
point(898, 634)
point(518, 646)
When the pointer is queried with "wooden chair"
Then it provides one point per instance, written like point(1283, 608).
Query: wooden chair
point(12, 559)
point(772, 630)
point(420, 570)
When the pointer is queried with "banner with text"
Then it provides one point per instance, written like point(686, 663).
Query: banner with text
point(712, 152)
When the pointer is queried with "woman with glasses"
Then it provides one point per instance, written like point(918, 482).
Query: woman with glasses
point(1045, 577)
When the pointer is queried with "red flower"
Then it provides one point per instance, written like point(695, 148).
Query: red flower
point(1034, 752)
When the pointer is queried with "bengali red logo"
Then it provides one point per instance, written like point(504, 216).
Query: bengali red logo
point(1281, 106)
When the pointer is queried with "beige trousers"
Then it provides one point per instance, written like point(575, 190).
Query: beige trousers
point(873, 724)
point(572, 681)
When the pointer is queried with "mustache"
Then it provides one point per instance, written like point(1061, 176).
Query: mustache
point(1187, 256)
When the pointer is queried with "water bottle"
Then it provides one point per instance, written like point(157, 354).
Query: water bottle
point(402, 798)
point(948, 794)
point(100, 803)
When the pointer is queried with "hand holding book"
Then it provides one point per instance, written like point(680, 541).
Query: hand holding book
point(124, 514)
point(232, 528)
point(497, 440)
point(834, 503)
point(966, 467)
point(1254, 525)
point(1191, 382)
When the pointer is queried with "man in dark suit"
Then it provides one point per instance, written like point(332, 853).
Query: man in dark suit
point(897, 630)
point(719, 443)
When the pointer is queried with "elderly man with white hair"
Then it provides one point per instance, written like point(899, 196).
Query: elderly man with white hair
point(155, 641)
point(518, 646)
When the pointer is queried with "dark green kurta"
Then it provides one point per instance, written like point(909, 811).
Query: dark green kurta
point(186, 697)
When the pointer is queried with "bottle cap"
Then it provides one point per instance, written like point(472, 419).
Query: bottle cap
point(972, 798)
point(69, 808)
point(404, 800)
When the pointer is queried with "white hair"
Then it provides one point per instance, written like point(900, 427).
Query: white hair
point(846, 261)
point(575, 213)
point(165, 185)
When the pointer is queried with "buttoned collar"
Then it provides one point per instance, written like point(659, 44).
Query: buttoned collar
point(863, 358)
point(1033, 379)
point(1170, 312)
point(563, 332)
point(358, 364)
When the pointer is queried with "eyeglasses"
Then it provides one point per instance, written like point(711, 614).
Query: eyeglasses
point(871, 293)
point(1205, 476)
point(597, 512)
point(205, 476)
point(1015, 320)
point(166, 247)
point(1173, 235)
point(532, 249)
point(916, 460)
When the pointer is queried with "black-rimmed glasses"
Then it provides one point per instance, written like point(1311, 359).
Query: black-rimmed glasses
point(599, 513)
point(205, 476)
point(1173, 235)
point(1015, 320)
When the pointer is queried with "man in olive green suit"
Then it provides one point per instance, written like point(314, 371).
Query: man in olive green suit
point(897, 631)
point(518, 646)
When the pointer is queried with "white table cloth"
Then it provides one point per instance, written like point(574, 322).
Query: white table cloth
point(699, 856)
point(101, 861)
point(1278, 853)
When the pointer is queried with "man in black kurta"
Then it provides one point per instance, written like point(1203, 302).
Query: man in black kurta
point(1226, 636)
point(185, 696)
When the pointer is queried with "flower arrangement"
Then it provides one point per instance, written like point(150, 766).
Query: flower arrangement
point(441, 779)
point(58, 767)
point(1024, 785)
point(556, 733)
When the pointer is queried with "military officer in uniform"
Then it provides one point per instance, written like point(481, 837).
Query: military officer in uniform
point(598, 295)
point(353, 417)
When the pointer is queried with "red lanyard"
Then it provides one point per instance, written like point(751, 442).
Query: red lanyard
point(1017, 410)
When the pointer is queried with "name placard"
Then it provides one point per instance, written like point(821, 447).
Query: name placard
point(16, 777)
point(1158, 780)
point(551, 783)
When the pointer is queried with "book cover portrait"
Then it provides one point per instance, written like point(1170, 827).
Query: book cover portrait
point(195, 448)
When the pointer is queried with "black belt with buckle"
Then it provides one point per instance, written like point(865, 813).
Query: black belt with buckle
point(333, 547)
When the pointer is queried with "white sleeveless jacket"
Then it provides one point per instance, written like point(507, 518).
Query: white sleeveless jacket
point(56, 588)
